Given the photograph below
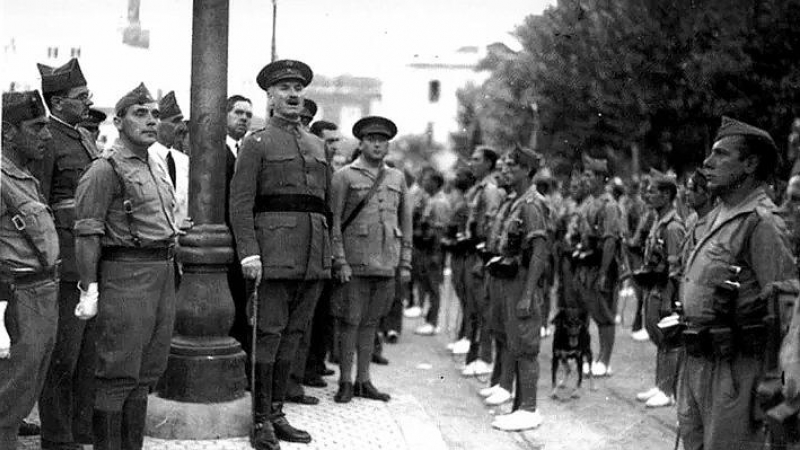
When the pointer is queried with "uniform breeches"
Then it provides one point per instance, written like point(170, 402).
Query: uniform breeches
point(285, 308)
point(715, 403)
point(31, 321)
point(135, 318)
point(67, 397)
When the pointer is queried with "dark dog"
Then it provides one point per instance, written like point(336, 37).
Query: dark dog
point(571, 340)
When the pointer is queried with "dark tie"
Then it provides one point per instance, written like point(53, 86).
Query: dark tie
point(171, 168)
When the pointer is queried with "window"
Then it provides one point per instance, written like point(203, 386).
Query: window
point(75, 52)
point(52, 52)
point(434, 89)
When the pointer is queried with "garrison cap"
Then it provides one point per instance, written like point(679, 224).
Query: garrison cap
point(309, 109)
point(168, 106)
point(21, 106)
point(526, 156)
point(595, 165)
point(55, 79)
point(733, 127)
point(284, 69)
point(374, 125)
point(139, 96)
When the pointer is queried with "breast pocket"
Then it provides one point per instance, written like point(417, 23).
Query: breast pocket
point(281, 170)
point(276, 235)
point(317, 173)
point(392, 198)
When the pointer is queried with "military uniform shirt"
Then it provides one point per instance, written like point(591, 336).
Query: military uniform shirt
point(496, 223)
point(531, 211)
point(23, 190)
point(99, 200)
point(378, 240)
point(484, 199)
point(764, 256)
point(673, 236)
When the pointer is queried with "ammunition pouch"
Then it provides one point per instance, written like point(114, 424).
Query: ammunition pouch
point(503, 267)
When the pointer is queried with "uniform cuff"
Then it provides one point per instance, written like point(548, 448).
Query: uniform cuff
point(250, 259)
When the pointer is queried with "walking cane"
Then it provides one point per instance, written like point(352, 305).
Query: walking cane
point(251, 288)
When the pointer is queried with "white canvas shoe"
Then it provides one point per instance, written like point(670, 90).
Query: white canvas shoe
point(600, 370)
point(426, 330)
point(488, 391)
point(476, 368)
point(412, 312)
point(518, 420)
point(499, 397)
point(647, 395)
point(660, 400)
point(640, 335)
point(461, 347)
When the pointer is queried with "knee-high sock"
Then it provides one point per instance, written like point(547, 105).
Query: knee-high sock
point(366, 345)
point(348, 335)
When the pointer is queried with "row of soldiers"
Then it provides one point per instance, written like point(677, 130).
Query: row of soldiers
point(714, 270)
point(89, 272)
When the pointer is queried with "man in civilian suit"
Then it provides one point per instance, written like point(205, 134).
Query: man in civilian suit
point(240, 114)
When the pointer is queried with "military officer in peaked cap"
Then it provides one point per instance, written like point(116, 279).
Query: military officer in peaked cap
point(68, 154)
point(29, 266)
point(280, 220)
point(744, 247)
point(125, 236)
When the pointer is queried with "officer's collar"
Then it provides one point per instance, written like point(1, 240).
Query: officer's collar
point(284, 122)
point(64, 127)
point(359, 164)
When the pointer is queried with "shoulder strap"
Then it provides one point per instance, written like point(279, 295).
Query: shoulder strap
point(127, 205)
point(365, 200)
point(18, 220)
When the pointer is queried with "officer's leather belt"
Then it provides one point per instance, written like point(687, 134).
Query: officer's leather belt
point(138, 253)
point(24, 278)
point(301, 203)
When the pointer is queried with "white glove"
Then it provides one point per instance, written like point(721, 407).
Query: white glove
point(5, 343)
point(87, 306)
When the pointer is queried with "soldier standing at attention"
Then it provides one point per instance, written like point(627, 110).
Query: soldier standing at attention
point(125, 238)
point(601, 229)
point(522, 263)
point(484, 199)
point(68, 155)
point(657, 276)
point(279, 214)
point(371, 239)
point(744, 247)
point(29, 268)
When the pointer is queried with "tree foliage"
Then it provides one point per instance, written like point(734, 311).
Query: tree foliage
point(603, 76)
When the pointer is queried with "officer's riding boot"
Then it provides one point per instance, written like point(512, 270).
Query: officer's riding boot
point(107, 428)
point(134, 416)
point(283, 430)
point(263, 437)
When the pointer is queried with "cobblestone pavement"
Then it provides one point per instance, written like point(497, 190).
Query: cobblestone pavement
point(434, 408)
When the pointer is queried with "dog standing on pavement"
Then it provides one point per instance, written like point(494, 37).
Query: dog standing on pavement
point(571, 341)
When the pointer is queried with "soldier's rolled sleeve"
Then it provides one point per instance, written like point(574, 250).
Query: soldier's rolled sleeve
point(244, 187)
point(769, 253)
point(406, 226)
point(93, 197)
point(337, 199)
point(675, 234)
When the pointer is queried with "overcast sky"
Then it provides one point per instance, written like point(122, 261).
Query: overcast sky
point(359, 37)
